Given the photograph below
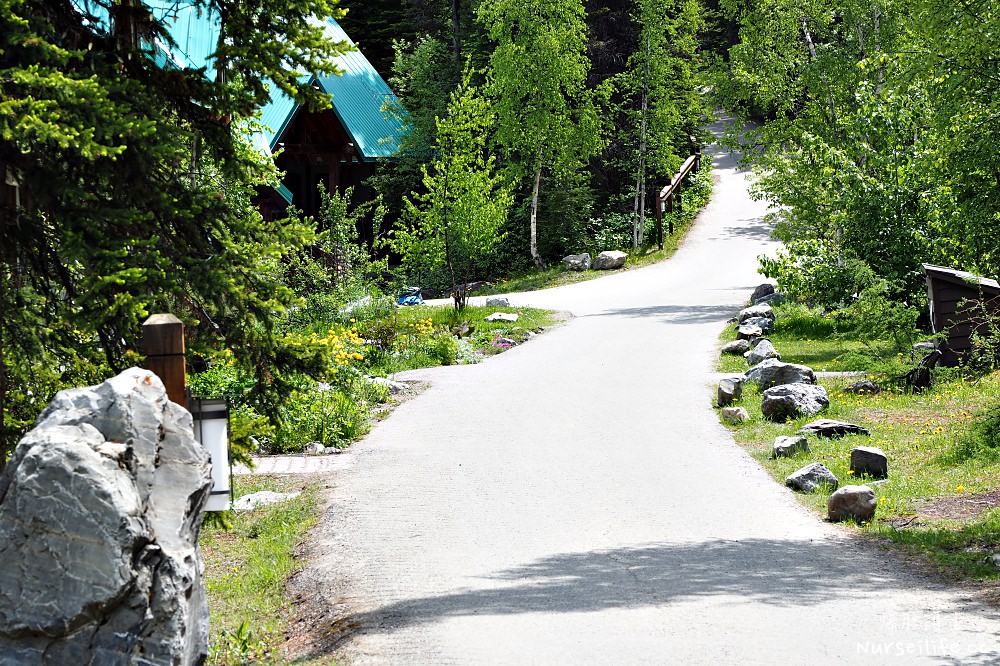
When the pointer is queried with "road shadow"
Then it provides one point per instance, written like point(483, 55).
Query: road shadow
point(778, 573)
point(756, 228)
point(675, 314)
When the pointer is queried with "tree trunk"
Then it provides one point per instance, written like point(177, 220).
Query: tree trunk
point(456, 29)
point(639, 219)
point(3, 372)
point(539, 262)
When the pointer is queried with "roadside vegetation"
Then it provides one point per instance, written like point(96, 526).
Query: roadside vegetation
point(943, 443)
point(247, 565)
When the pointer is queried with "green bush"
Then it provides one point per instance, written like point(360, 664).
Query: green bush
point(817, 273)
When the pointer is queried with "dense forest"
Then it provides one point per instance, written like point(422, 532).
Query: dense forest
point(536, 128)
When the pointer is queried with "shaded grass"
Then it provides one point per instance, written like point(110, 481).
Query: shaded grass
point(247, 567)
point(930, 439)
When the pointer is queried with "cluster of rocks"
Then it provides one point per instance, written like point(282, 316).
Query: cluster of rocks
point(790, 391)
point(605, 261)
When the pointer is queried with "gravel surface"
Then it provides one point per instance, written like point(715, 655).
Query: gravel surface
point(575, 501)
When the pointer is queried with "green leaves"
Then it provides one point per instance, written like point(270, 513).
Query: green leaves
point(457, 221)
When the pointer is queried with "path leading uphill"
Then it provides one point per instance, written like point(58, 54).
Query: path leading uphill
point(575, 501)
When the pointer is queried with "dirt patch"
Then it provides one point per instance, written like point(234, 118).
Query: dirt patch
point(959, 507)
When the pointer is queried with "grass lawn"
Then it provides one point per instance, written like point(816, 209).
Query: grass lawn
point(939, 501)
point(247, 567)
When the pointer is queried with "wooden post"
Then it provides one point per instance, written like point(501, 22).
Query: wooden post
point(163, 342)
point(659, 221)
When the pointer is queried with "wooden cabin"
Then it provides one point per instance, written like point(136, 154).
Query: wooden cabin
point(959, 304)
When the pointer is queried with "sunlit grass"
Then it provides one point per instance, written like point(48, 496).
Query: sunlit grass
point(928, 438)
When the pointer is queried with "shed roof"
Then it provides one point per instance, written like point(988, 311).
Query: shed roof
point(956, 276)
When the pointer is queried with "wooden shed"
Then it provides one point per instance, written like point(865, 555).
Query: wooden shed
point(959, 301)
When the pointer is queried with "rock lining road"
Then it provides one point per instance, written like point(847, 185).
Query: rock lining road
point(575, 501)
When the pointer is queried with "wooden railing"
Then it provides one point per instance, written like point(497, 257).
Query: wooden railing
point(673, 191)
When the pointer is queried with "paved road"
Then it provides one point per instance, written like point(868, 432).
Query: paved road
point(574, 501)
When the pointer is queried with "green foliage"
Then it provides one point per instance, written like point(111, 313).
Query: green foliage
point(134, 188)
point(878, 141)
point(247, 566)
point(817, 273)
point(875, 316)
point(457, 221)
point(547, 118)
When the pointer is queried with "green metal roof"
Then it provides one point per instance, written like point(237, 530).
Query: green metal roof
point(358, 94)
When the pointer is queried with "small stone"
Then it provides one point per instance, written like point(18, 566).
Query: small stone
point(730, 390)
point(809, 478)
point(832, 429)
point(735, 415)
point(761, 351)
point(577, 262)
point(498, 302)
point(765, 289)
point(863, 386)
point(261, 498)
point(736, 347)
point(765, 324)
point(756, 311)
point(852, 502)
point(609, 260)
point(502, 316)
point(747, 331)
point(789, 401)
point(869, 461)
point(788, 446)
point(395, 388)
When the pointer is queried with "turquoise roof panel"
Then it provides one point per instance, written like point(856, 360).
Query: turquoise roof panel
point(359, 93)
point(359, 99)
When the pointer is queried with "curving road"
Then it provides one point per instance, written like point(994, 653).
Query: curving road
point(575, 501)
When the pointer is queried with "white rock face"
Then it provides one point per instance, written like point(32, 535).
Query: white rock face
point(100, 507)
point(609, 260)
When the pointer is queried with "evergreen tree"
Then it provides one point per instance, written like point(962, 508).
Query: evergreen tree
point(129, 187)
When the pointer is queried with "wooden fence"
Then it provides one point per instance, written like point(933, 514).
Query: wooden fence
point(672, 192)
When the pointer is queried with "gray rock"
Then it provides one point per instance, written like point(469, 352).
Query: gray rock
point(100, 507)
point(735, 415)
point(747, 331)
point(993, 559)
point(924, 346)
point(756, 311)
point(863, 386)
point(772, 372)
point(869, 461)
point(610, 259)
point(809, 478)
point(730, 390)
point(832, 429)
point(577, 262)
point(789, 401)
point(765, 289)
point(395, 388)
point(770, 299)
point(766, 325)
point(498, 302)
point(736, 347)
point(761, 351)
point(261, 498)
point(786, 447)
point(852, 503)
